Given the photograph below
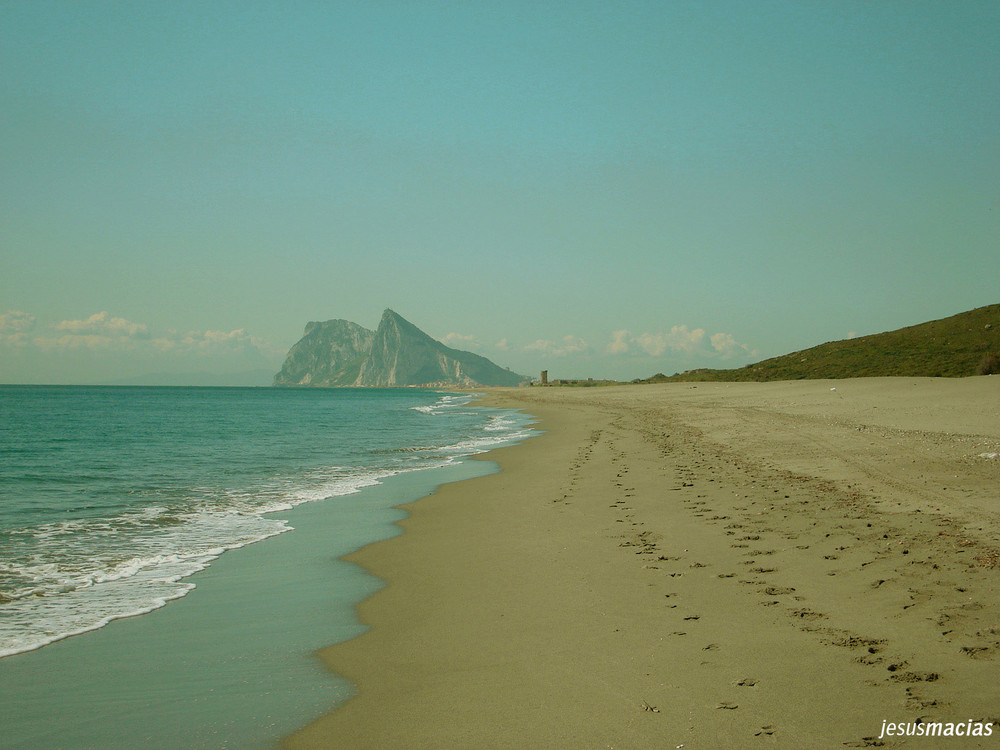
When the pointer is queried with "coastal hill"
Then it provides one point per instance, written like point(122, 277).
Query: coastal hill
point(339, 353)
point(964, 344)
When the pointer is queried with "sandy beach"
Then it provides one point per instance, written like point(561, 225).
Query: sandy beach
point(701, 565)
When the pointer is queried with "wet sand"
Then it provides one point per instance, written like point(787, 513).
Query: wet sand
point(708, 565)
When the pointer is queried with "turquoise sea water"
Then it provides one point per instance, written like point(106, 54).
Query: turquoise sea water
point(120, 502)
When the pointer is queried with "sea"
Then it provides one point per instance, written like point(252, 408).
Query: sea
point(170, 557)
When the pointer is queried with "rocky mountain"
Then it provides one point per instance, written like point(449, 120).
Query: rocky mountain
point(341, 353)
point(328, 354)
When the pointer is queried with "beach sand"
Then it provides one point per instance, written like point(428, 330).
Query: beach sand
point(700, 565)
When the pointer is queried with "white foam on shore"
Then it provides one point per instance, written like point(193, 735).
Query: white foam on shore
point(70, 577)
point(143, 561)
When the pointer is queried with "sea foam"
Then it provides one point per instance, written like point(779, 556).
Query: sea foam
point(65, 577)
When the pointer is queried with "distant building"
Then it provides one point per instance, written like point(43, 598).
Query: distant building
point(544, 377)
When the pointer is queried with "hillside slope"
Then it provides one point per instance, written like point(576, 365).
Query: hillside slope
point(950, 347)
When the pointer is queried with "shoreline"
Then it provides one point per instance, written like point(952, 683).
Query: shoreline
point(709, 565)
point(232, 662)
point(225, 665)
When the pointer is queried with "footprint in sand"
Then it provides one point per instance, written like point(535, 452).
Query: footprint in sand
point(872, 647)
point(916, 677)
point(866, 742)
point(978, 652)
point(777, 590)
point(915, 702)
point(807, 614)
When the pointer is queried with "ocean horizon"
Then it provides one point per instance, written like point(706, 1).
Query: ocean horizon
point(171, 554)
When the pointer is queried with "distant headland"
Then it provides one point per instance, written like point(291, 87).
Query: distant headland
point(339, 353)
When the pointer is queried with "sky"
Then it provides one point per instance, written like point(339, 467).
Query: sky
point(604, 190)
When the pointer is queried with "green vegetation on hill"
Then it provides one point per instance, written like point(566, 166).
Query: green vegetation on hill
point(952, 347)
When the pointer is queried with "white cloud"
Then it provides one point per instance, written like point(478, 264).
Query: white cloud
point(220, 342)
point(568, 345)
point(16, 321)
point(503, 345)
point(619, 342)
point(727, 346)
point(104, 325)
point(101, 331)
point(81, 341)
point(541, 346)
point(461, 341)
point(14, 327)
point(724, 343)
point(679, 338)
point(104, 332)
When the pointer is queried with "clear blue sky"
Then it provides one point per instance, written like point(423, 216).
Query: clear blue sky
point(601, 189)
